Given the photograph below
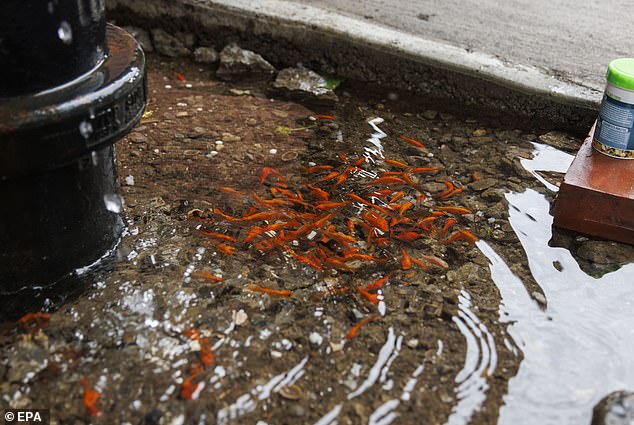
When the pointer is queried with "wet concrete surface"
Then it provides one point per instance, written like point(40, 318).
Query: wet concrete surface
point(180, 326)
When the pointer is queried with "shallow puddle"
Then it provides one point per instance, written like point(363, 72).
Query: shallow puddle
point(213, 314)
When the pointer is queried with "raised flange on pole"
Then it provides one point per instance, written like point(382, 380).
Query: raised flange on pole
point(72, 85)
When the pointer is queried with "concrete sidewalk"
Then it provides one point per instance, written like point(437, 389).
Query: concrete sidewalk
point(544, 61)
point(571, 40)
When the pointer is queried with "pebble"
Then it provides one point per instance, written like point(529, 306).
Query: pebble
point(240, 317)
point(336, 346)
point(251, 122)
point(616, 408)
point(315, 338)
point(412, 343)
point(205, 55)
point(182, 114)
point(137, 138)
point(168, 45)
point(479, 132)
point(604, 252)
point(279, 114)
point(430, 114)
point(236, 61)
point(481, 139)
point(483, 184)
point(228, 138)
point(297, 410)
point(560, 140)
point(539, 297)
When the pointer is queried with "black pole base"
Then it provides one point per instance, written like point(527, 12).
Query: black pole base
point(59, 208)
point(57, 221)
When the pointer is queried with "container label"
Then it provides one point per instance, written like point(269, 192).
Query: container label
point(615, 126)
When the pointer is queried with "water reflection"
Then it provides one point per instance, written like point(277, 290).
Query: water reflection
point(547, 158)
point(480, 362)
point(579, 348)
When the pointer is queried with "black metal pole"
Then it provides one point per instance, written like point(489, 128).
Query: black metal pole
point(72, 85)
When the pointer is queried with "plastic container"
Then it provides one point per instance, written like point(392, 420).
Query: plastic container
point(614, 134)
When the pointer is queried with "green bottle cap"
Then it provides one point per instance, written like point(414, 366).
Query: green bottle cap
point(621, 73)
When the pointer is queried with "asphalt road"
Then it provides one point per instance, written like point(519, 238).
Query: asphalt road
point(571, 39)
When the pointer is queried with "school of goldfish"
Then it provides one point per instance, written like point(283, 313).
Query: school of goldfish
point(323, 224)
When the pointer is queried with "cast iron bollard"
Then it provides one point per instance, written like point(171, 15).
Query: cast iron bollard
point(71, 86)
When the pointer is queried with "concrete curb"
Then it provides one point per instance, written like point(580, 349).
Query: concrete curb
point(368, 52)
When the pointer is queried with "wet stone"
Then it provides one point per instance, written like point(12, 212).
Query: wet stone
point(228, 138)
point(168, 45)
point(539, 297)
point(304, 85)
point(560, 140)
point(297, 410)
point(206, 55)
point(483, 184)
point(481, 139)
point(493, 194)
point(604, 252)
point(137, 138)
point(235, 61)
point(153, 417)
point(615, 409)
point(187, 38)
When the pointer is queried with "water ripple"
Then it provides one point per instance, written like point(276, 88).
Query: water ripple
point(480, 362)
point(579, 349)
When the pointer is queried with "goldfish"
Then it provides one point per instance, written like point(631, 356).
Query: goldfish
point(317, 168)
point(322, 206)
point(208, 276)
point(90, 398)
point(29, 318)
point(220, 236)
point(226, 249)
point(318, 193)
point(407, 236)
point(324, 117)
point(450, 222)
point(418, 170)
point(355, 329)
point(396, 163)
point(266, 171)
point(419, 263)
point(432, 259)
point(413, 142)
point(386, 180)
point(379, 283)
point(464, 235)
point(270, 291)
point(373, 298)
point(406, 261)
